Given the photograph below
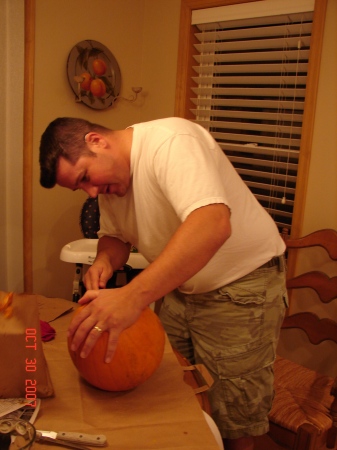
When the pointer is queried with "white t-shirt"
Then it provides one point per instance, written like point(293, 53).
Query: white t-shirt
point(177, 167)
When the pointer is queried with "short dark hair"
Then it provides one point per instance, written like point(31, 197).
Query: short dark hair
point(64, 137)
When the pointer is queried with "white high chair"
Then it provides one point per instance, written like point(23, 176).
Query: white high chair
point(83, 252)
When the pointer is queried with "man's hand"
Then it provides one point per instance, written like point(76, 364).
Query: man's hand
point(111, 255)
point(98, 275)
point(107, 309)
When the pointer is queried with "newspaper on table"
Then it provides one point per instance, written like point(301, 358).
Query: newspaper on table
point(19, 408)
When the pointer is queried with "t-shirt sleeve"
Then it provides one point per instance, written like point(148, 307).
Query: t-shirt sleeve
point(108, 223)
point(187, 171)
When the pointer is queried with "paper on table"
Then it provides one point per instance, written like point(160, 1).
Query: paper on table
point(162, 413)
point(8, 405)
point(51, 309)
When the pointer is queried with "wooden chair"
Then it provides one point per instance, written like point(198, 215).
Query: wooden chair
point(304, 412)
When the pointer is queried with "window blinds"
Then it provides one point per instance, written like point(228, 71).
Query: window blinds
point(249, 86)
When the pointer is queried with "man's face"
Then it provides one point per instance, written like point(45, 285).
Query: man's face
point(100, 174)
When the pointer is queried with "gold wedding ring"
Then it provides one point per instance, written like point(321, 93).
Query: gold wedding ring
point(98, 329)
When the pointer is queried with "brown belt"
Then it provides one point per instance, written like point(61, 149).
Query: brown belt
point(272, 263)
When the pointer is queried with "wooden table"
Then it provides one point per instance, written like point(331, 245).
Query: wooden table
point(162, 413)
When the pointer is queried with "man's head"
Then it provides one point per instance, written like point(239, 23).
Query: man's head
point(64, 137)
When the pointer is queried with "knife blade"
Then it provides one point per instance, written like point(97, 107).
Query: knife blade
point(95, 440)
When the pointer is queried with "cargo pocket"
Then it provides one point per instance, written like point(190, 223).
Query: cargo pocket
point(245, 311)
point(246, 382)
point(249, 290)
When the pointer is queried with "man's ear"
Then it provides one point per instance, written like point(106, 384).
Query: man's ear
point(95, 139)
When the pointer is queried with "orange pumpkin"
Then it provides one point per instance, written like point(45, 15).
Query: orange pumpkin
point(139, 351)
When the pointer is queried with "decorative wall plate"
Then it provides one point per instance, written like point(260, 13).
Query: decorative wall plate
point(93, 74)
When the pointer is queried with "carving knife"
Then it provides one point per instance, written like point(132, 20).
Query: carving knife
point(67, 437)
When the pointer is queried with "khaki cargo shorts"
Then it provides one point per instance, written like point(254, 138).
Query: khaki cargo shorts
point(233, 331)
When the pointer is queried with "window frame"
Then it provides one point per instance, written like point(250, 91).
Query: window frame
point(184, 76)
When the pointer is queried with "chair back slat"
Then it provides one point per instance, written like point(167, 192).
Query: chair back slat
point(317, 330)
point(323, 238)
point(325, 286)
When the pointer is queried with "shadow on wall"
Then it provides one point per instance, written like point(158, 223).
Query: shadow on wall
point(55, 278)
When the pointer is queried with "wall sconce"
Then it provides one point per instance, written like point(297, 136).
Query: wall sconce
point(133, 98)
point(79, 79)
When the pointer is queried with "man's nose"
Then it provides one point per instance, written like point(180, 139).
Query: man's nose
point(92, 191)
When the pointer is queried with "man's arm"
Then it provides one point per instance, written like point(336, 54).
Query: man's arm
point(112, 254)
point(188, 251)
point(195, 242)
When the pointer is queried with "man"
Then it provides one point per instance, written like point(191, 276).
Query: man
point(167, 188)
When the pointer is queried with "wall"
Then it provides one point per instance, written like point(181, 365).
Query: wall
point(320, 210)
point(11, 139)
point(143, 37)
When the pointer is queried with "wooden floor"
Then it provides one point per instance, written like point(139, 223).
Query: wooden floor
point(266, 443)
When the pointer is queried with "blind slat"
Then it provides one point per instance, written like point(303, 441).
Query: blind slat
point(280, 214)
point(249, 103)
point(285, 142)
point(267, 175)
point(257, 91)
point(277, 11)
point(275, 201)
point(260, 150)
point(266, 32)
point(275, 188)
point(208, 55)
point(276, 165)
point(246, 115)
point(253, 45)
point(208, 67)
point(277, 80)
point(252, 127)
point(255, 22)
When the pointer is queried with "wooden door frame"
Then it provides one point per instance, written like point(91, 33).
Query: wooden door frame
point(28, 127)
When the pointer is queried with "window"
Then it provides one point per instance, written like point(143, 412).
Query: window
point(248, 86)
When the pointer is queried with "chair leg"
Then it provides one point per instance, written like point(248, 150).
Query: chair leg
point(306, 437)
point(157, 306)
point(78, 283)
point(332, 433)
